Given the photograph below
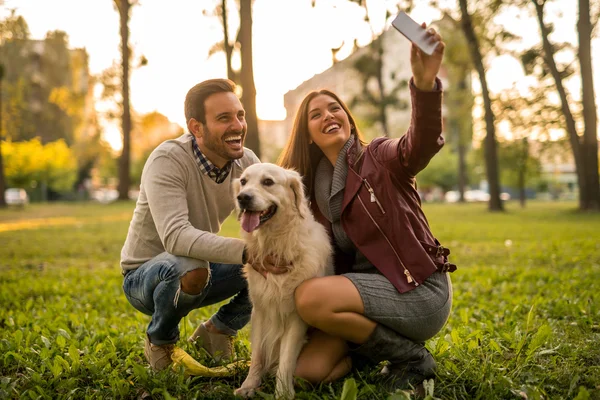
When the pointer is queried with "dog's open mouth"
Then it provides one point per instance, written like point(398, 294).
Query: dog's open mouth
point(251, 220)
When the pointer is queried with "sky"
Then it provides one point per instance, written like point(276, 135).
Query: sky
point(292, 42)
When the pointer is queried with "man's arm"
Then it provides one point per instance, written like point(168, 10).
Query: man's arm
point(165, 185)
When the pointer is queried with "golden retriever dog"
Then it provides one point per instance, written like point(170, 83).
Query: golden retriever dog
point(277, 222)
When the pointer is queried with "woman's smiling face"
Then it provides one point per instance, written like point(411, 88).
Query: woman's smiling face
point(328, 124)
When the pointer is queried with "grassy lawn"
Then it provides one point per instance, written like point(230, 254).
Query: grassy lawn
point(525, 322)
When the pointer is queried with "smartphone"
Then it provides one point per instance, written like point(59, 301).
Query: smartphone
point(414, 32)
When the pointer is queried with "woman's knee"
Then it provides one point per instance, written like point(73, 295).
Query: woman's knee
point(319, 370)
point(310, 301)
point(312, 372)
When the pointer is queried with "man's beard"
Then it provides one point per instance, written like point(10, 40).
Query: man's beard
point(217, 145)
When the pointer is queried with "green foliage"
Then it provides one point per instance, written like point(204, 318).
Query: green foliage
point(442, 171)
point(524, 320)
point(17, 120)
point(350, 390)
point(13, 27)
point(28, 164)
point(41, 93)
point(515, 160)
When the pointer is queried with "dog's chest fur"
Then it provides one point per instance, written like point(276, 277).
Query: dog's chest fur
point(310, 256)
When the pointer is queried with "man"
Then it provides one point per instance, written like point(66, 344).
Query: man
point(172, 259)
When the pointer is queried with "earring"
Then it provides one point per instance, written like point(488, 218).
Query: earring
point(310, 141)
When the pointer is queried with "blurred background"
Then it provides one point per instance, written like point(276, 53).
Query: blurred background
point(89, 88)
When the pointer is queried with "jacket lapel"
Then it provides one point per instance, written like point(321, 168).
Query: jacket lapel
point(353, 180)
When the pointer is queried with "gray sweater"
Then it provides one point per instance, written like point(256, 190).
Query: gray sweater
point(180, 209)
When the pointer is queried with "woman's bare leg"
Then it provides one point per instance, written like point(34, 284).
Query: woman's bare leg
point(340, 370)
point(333, 305)
point(323, 358)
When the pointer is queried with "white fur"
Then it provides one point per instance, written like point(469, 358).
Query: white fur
point(292, 234)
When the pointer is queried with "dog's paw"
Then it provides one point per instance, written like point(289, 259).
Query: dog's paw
point(282, 393)
point(244, 392)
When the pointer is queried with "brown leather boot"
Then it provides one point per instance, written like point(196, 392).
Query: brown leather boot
point(159, 357)
point(219, 346)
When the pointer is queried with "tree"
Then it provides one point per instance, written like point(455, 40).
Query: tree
point(124, 8)
point(491, 156)
point(150, 130)
point(221, 11)
point(582, 149)
point(518, 166)
point(2, 179)
point(34, 164)
point(458, 97)
point(247, 76)
point(590, 120)
point(226, 44)
point(2, 184)
point(43, 93)
point(17, 115)
point(440, 172)
point(528, 114)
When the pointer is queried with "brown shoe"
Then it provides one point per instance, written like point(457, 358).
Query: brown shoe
point(159, 357)
point(219, 346)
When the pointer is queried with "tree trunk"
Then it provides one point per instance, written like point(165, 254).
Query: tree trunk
point(570, 121)
point(247, 76)
point(491, 156)
point(523, 170)
point(462, 166)
point(228, 46)
point(522, 188)
point(590, 139)
point(2, 179)
point(124, 160)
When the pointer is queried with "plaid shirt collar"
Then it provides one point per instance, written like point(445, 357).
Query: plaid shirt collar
point(215, 173)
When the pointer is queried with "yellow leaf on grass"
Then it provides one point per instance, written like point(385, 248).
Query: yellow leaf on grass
point(192, 367)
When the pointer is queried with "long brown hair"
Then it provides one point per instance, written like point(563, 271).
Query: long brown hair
point(301, 155)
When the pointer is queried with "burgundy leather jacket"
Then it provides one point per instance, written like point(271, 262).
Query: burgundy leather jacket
point(381, 209)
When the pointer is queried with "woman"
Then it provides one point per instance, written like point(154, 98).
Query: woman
point(391, 291)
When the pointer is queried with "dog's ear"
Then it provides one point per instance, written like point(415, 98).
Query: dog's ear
point(297, 186)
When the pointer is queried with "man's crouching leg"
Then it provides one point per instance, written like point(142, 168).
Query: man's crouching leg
point(216, 335)
point(167, 287)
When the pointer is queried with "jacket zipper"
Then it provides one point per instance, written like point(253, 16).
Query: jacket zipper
point(373, 197)
point(409, 277)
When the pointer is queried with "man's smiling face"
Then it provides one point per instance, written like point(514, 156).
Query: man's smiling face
point(221, 139)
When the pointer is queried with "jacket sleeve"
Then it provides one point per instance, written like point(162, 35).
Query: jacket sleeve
point(413, 151)
point(165, 186)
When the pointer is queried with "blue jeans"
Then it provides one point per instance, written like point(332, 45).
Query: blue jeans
point(154, 288)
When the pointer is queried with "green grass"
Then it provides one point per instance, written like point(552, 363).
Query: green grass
point(524, 323)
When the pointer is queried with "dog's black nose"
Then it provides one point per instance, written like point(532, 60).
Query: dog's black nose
point(244, 200)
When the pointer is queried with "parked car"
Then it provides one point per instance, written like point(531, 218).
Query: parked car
point(16, 197)
point(477, 195)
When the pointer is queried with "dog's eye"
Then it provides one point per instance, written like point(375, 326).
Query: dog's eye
point(243, 181)
point(268, 182)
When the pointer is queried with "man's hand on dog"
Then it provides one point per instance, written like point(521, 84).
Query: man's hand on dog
point(270, 265)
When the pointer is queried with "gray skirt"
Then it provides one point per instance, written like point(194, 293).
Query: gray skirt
point(417, 315)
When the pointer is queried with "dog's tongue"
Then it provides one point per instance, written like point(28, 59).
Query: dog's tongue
point(250, 220)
